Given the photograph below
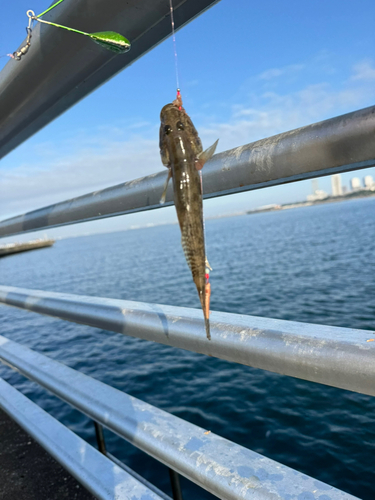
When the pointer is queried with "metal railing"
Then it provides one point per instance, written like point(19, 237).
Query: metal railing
point(100, 476)
point(225, 469)
point(337, 145)
point(49, 81)
point(339, 357)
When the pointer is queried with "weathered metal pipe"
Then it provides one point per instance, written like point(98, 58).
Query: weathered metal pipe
point(224, 468)
point(104, 479)
point(337, 145)
point(61, 68)
point(340, 357)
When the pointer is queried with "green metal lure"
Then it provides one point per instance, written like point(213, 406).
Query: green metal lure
point(108, 39)
point(112, 41)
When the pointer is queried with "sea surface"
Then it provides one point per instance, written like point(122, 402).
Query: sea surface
point(314, 264)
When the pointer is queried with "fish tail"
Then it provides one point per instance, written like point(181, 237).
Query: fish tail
point(205, 302)
point(207, 325)
point(206, 310)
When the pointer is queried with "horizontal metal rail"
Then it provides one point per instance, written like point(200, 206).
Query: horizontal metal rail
point(104, 479)
point(100, 440)
point(224, 468)
point(337, 145)
point(339, 357)
point(61, 68)
point(141, 479)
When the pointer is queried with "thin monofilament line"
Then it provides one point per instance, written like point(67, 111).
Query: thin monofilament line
point(174, 44)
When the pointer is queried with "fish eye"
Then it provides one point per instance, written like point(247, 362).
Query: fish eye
point(180, 126)
point(167, 129)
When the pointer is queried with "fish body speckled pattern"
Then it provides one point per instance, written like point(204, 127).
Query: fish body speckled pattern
point(181, 151)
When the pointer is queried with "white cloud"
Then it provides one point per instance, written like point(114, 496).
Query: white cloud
point(191, 83)
point(97, 164)
point(364, 71)
point(270, 113)
point(272, 73)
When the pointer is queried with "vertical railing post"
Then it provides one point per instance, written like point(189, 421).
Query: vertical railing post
point(176, 486)
point(100, 438)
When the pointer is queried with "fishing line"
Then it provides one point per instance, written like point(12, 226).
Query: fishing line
point(50, 8)
point(174, 44)
point(178, 102)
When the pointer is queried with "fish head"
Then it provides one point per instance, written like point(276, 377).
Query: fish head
point(176, 127)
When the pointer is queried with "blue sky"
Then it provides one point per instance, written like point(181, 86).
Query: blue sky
point(248, 70)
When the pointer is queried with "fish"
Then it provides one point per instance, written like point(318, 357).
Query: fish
point(182, 153)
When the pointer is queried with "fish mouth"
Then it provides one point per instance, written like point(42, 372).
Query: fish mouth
point(167, 109)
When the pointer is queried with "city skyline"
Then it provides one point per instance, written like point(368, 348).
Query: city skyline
point(336, 185)
point(338, 189)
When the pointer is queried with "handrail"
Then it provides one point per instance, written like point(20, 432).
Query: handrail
point(336, 145)
point(224, 468)
point(103, 478)
point(139, 478)
point(340, 357)
point(62, 68)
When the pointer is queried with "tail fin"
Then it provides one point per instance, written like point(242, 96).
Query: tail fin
point(207, 325)
point(205, 303)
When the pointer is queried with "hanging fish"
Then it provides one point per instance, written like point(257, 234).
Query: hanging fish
point(182, 153)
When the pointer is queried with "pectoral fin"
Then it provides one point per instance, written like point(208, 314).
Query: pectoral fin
point(164, 153)
point(162, 199)
point(205, 156)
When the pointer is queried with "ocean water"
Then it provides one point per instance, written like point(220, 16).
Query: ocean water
point(314, 264)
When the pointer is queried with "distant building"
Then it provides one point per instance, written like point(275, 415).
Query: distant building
point(336, 185)
point(355, 183)
point(318, 195)
point(265, 208)
point(368, 181)
point(315, 185)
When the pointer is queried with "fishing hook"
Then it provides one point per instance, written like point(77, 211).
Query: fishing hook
point(17, 55)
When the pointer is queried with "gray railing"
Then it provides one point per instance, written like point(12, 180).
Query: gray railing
point(337, 145)
point(227, 470)
point(103, 478)
point(46, 83)
point(339, 357)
